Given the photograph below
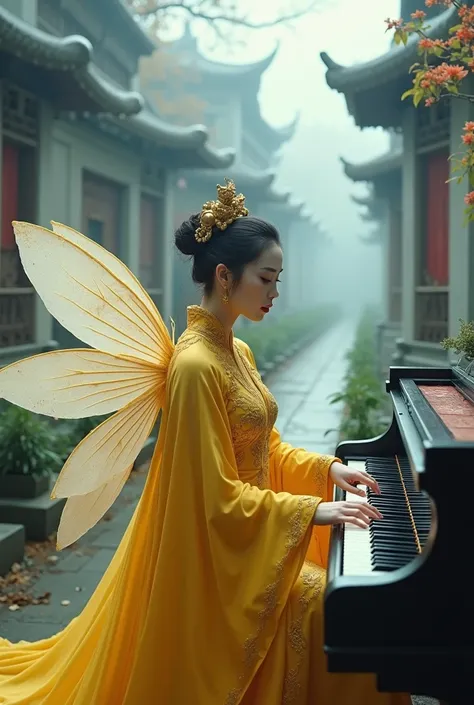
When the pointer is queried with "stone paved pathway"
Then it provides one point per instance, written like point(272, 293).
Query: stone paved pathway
point(80, 566)
point(301, 387)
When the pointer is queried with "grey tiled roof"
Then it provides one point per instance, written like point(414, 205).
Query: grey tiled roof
point(73, 55)
point(370, 170)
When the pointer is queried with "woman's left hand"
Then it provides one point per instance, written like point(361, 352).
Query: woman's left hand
point(346, 478)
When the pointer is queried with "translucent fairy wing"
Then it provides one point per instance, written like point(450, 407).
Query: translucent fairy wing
point(81, 513)
point(113, 264)
point(93, 297)
point(72, 384)
point(110, 448)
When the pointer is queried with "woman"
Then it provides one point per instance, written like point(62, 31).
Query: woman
point(214, 596)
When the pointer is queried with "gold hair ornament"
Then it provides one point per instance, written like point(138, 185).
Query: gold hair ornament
point(221, 213)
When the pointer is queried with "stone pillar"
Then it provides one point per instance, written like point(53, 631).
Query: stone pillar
point(410, 224)
point(131, 232)
point(167, 249)
point(461, 235)
point(45, 211)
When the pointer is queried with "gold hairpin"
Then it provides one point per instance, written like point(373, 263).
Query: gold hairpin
point(221, 213)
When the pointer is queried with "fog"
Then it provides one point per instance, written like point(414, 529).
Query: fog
point(310, 165)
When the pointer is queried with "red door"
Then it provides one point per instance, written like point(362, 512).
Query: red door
point(437, 219)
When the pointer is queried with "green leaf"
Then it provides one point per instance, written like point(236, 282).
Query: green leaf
point(418, 96)
point(411, 91)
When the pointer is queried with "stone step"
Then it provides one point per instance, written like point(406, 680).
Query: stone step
point(40, 515)
point(12, 546)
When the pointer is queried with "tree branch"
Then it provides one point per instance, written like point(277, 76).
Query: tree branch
point(229, 18)
point(460, 96)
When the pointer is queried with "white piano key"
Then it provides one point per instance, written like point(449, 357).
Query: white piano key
point(356, 547)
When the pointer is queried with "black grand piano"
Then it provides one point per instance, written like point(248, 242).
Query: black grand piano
point(399, 600)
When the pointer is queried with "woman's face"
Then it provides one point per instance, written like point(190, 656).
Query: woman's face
point(254, 295)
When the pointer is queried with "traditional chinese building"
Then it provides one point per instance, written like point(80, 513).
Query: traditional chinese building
point(229, 96)
point(437, 288)
point(80, 145)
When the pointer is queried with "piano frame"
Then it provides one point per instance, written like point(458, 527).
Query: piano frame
point(426, 608)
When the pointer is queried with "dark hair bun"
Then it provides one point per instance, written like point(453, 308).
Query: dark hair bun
point(184, 236)
point(243, 241)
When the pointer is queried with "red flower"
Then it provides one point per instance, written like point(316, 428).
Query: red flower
point(426, 44)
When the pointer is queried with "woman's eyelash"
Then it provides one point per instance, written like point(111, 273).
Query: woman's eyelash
point(268, 281)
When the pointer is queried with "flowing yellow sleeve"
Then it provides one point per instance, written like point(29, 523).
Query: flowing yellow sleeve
point(245, 546)
point(297, 470)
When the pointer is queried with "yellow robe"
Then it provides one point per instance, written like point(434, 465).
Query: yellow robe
point(215, 594)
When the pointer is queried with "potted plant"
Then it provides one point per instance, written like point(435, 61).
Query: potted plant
point(28, 454)
point(463, 345)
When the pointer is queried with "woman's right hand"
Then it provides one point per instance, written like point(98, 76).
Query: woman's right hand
point(358, 513)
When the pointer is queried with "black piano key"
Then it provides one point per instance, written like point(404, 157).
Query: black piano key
point(393, 542)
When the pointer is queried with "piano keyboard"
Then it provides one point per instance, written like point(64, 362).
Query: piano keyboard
point(395, 540)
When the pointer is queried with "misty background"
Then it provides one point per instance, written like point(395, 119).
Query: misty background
point(310, 163)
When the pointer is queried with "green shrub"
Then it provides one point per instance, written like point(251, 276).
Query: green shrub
point(362, 395)
point(26, 444)
point(69, 433)
point(463, 343)
point(272, 338)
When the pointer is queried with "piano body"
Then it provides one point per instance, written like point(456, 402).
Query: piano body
point(399, 600)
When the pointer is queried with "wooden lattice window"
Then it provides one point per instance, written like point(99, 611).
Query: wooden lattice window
point(20, 114)
point(433, 124)
point(153, 176)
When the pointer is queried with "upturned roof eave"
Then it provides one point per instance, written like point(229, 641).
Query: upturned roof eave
point(393, 64)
